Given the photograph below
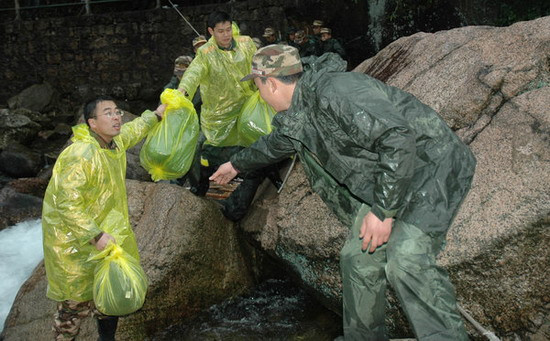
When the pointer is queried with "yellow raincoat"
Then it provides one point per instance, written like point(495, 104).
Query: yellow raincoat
point(87, 195)
point(218, 72)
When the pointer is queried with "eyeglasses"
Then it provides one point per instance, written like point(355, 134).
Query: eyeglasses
point(112, 114)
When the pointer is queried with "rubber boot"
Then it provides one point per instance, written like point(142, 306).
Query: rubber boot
point(106, 328)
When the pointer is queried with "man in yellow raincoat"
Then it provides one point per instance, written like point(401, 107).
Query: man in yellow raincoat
point(85, 207)
point(217, 68)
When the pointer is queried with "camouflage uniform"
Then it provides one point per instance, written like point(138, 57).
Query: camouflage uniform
point(69, 316)
point(306, 46)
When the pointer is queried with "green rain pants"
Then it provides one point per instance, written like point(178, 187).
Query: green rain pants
point(408, 262)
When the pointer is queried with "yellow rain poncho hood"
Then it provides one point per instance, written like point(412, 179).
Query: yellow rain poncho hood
point(87, 195)
point(218, 73)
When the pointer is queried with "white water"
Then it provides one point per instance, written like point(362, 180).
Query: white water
point(20, 252)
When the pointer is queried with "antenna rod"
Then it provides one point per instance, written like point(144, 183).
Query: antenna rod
point(188, 23)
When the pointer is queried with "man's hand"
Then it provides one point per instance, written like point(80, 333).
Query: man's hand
point(224, 174)
point(160, 110)
point(103, 241)
point(375, 231)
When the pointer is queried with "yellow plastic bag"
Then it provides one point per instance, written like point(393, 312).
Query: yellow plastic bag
point(255, 119)
point(120, 284)
point(168, 150)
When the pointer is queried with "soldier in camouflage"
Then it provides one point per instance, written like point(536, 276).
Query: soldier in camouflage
point(388, 166)
point(316, 36)
point(306, 47)
point(180, 65)
point(329, 44)
point(270, 36)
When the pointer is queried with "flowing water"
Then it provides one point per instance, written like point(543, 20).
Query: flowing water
point(20, 252)
point(275, 310)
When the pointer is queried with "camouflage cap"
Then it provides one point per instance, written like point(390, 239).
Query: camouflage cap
point(318, 23)
point(275, 60)
point(300, 34)
point(198, 40)
point(326, 30)
point(181, 63)
point(268, 32)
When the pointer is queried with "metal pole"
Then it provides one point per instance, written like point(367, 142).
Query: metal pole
point(488, 334)
point(188, 23)
point(288, 173)
point(158, 4)
point(17, 11)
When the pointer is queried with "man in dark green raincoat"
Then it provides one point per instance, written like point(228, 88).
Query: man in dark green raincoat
point(329, 44)
point(388, 166)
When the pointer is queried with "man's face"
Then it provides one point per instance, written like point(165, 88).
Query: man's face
point(325, 36)
point(269, 95)
point(316, 29)
point(222, 33)
point(270, 39)
point(103, 125)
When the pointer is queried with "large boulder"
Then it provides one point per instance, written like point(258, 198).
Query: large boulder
point(16, 126)
point(491, 85)
point(36, 97)
point(21, 200)
point(19, 161)
point(189, 251)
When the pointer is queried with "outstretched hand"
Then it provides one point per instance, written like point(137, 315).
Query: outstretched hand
point(160, 110)
point(374, 231)
point(224, 174)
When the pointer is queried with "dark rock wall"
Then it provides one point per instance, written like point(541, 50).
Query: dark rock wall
point(128, 54)
point(126, 49)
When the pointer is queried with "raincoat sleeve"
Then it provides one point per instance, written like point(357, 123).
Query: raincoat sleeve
point(396, 148)
point(389, 137)
point(268, 149)
point(71, 183)
point(136, 130)
point(192, 77)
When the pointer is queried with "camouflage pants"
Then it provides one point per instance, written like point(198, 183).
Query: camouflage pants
point(408, 262)
point(69, 316)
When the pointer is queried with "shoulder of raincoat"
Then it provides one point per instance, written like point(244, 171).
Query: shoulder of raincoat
point(218, 73)
point(85, 196)
point(381, 144)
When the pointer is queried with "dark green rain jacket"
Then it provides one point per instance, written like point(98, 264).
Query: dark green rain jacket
point(362, 141)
